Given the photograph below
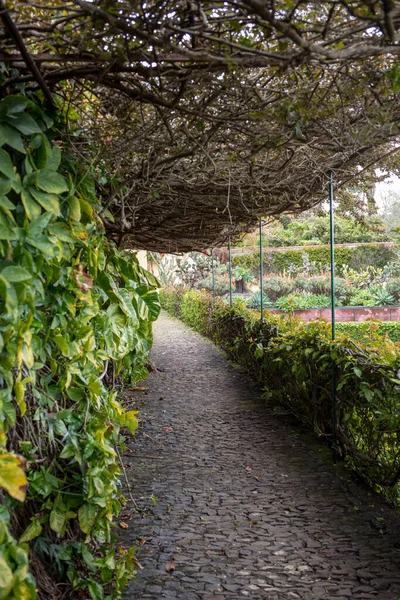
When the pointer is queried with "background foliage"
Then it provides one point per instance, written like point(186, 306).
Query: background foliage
point(357, 258)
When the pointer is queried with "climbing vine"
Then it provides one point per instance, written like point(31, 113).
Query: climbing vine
point(74, 312)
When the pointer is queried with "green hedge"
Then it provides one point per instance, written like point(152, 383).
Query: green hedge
point(364, 331)
point(292, 361)
point(357, 258)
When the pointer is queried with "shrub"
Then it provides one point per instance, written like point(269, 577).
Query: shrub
point(361, 298)
point(302, 301)
point(358, 258)
point(254, 302)
point(221, 284)
point(393, 286)
point(316, 230)
point(382, 296)
point(302, 284)
point(275, 287)
point(292, 360)
point(370, 329)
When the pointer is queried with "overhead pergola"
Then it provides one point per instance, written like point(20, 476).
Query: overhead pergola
point(214, 113)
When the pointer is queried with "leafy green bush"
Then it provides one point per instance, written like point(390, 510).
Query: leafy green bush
point(357, 258)
point(366, 330)
point(302, 301)
point(393, 287)
point(361, 298)
point(382, 296)
point(221, 284)
point(72, 309)
point(254, 302)
point(275, 287)
point(316, 230)
point(292, 360)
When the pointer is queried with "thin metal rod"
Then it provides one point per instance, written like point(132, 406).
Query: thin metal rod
point(230, 271)
point(261, 275)
point(333, 306)
point(213, 273)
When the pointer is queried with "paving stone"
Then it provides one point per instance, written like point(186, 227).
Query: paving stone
point(291, 533)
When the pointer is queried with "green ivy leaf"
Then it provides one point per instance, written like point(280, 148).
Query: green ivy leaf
point(95, 589)
point(50, 181)
point(48, 201)
point(24, 123)
point(6, 577)
point(74, 208)
point(6, 204)
point(87, 516)
point(61, 343)
point(7, 234)
point(54, 158)
point(32, 531)
point(11, 137)
point(15, 274)
point(32, 209)
point(57, 518)
point(6, 166)
point(5, 185)
point(13, 104)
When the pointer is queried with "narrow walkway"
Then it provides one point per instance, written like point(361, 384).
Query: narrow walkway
point(244, 506)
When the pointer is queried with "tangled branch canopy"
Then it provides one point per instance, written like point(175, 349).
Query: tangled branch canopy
point(210, 114)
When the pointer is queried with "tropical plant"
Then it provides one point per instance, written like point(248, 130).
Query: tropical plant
point(240, 273)
point(254, 302)
point(302, 301)
point(361, 297)
point(382, 296)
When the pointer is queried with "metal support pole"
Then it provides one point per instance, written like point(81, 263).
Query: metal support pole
point(213, 273)
point(261, 276)
point(230, 271)
point(334, 383)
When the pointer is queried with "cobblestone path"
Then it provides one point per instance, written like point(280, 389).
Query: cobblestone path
point(245, 506)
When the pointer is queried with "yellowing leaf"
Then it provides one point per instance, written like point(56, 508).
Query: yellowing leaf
point(48, 201)
point(12, 475)
point(50, 181)
point(57, 519)
point(6, 575)
point(87, 516)
point(61, 343)
point(19, 392)
point(32, 208)
point(74, 208)
point(131, 421)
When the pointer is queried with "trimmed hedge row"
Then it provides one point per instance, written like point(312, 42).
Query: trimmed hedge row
point(363, 331)
point(357, 258)
point(292, 360)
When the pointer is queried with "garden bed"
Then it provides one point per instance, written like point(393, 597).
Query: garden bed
point(347, 313)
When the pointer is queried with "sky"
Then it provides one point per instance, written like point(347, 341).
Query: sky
point(393, 184)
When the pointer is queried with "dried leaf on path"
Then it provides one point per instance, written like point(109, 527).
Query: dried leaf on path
point(170, 567)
